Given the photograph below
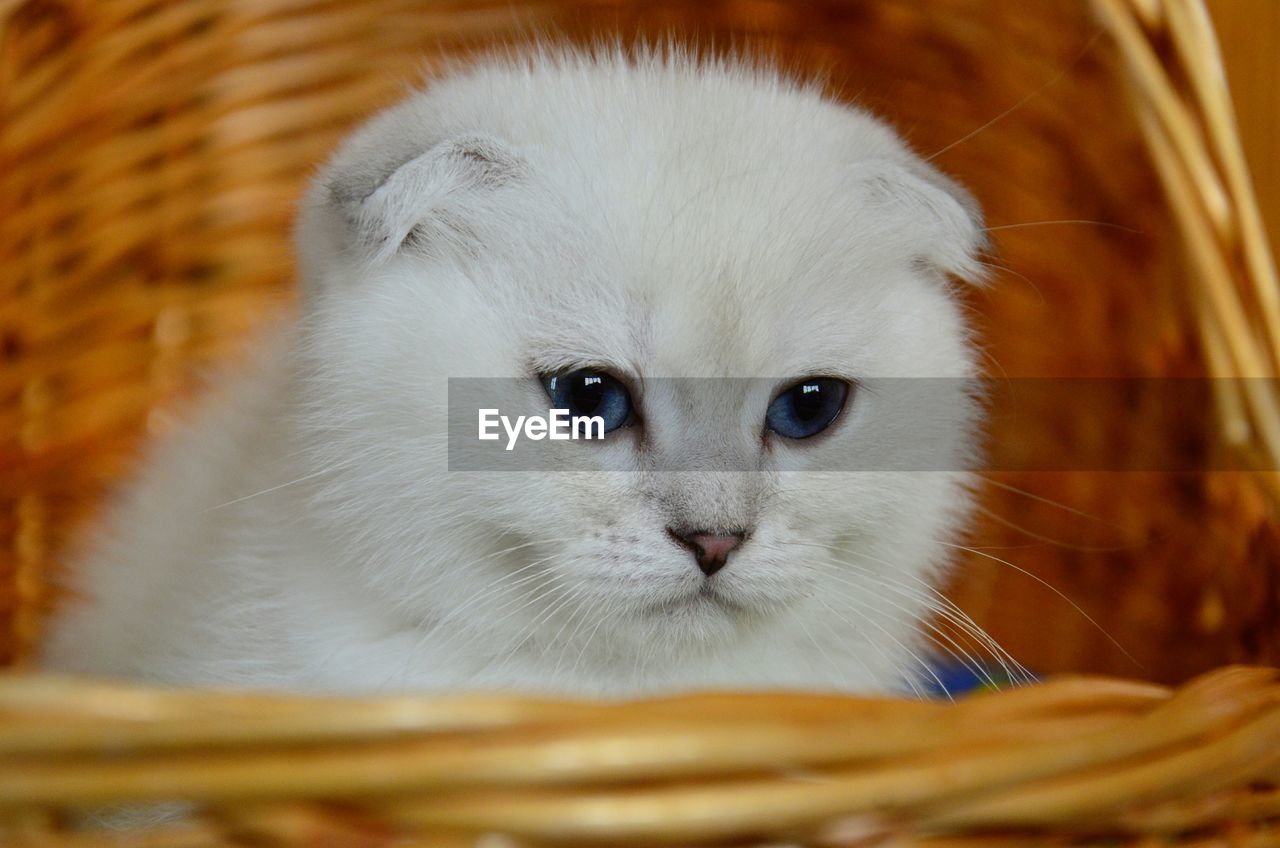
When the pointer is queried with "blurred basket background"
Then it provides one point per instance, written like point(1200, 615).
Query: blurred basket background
point(151, 154)
point(150, 157)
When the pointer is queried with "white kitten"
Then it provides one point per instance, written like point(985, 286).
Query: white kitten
point(685, 240)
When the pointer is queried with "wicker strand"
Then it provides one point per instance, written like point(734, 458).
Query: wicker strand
point(1071, 755)
point(1197, 153)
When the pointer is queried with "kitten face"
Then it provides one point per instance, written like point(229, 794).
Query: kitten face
point(708, 237)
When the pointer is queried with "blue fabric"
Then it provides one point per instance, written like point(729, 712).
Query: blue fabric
point(957, 678)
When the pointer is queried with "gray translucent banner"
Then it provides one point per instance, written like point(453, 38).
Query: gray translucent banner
point(887, 424)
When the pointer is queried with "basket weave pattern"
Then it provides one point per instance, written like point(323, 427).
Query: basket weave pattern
point(1062, 760)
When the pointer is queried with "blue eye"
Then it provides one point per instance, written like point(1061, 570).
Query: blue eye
point(807, 408)
point(591, 393)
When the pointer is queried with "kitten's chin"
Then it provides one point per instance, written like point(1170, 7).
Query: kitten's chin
point(705, 614)
point(704, 600)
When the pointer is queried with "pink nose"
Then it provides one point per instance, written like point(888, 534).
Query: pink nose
point(711, 550)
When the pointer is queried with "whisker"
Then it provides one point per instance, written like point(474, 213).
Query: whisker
point(1047, 501)
point(958, 653)
point(277, 488)
point(838, 639)
point(1057, 592)
point(831, 664)
point(1025, 100)
point(1049, 540)
point(952, 647)
point(943, 606)
point(498, 586)
point(602, 618)
point(581, 615)
point(549, 588)
point(999, 267)
point(910, 682)
point(543, 617)
point(1107, 224)
point(502, 582)
point(963, 656)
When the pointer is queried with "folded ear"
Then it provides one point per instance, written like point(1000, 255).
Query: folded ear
point(423, 204)
point(932, 215)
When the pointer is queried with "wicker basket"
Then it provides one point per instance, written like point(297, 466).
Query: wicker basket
point(150, 156)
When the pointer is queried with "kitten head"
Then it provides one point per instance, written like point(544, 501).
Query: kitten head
point(743, 278)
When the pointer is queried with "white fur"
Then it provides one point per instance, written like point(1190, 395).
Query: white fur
point(663, 217)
